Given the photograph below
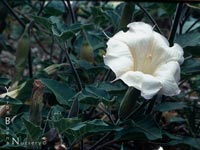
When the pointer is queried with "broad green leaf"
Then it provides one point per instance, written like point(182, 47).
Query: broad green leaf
point(171, 136)
point(4, 81)
point(62, 92)
point(74, 108)
point(149, 127)
point(90, 128)
point(92, 95)
point(65, 123)
point(144, 128)
point(190, 42)
point(54, 8)
point(190, 67)
point(10, 100)
point(68, 33)
point(35, 132)
point(43, 21)
point(94, 101)
point(168, 106)
point(115, 87)
point(97, 92)
point(193, 142)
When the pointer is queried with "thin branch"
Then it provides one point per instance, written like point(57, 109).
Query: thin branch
point(41, 8)
point(80, 87)
point(107, 114)
point(175, 23)
point(150, 17)
point(192, 25)
point(186, 15)
point(13, 13)
point(68, 6)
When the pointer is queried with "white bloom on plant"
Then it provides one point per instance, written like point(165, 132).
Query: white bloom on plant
point(142, 58)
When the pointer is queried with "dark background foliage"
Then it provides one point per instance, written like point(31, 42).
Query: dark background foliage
point(59, 91)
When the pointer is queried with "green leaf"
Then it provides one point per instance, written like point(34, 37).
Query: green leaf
point(168, 106)
point(10, 100)
point(97, 92)
point(35, 132)
point(65, 123)
point(62, 92)
point(86, 128)
point(190, 42)
point(171, 136)
point(54, 8)
point(144, 128)
point(43, 21)
point(149, 127)
point(190, 67)
point(193, 142)
point(74, 108)
point(4, 81)
point(92, 95)
point(115, 87)
point(68, 33)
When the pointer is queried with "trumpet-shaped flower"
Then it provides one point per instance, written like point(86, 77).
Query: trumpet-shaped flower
point(142, 58)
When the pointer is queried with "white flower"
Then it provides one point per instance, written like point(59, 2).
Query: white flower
point(142, 58)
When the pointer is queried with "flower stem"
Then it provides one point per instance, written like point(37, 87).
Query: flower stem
point(150, 17)
point(175, 24)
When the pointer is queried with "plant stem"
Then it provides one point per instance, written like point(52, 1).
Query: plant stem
point(175, 24)
point(74, 70)
point(41, 8)
point(150, 17)
point(13, 13)
point(70, 10)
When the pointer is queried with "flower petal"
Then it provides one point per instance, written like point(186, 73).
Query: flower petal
point(169, 75)
point(139, 39)
point(118, 57)
point(147, 84)
point(176, 53)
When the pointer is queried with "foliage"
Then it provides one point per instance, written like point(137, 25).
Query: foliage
point(62, 44)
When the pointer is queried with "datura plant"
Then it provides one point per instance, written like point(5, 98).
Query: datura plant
point(143, 59)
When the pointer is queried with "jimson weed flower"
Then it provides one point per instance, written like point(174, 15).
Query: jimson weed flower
point(142, 58)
